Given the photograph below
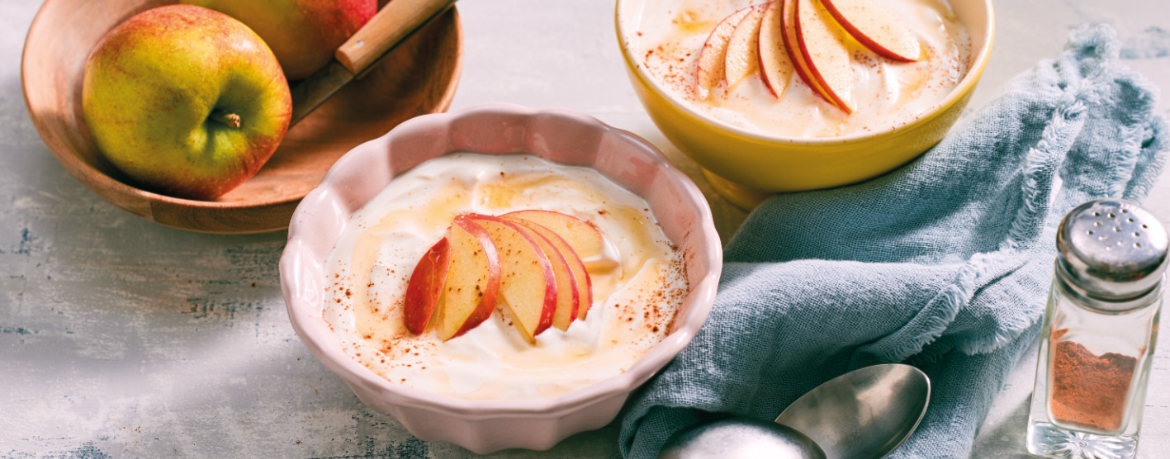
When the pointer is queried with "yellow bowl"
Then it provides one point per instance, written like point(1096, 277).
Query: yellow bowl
point(745, 166)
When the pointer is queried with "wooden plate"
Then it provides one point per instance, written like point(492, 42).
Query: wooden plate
point(417, 78)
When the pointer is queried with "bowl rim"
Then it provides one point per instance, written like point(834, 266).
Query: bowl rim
point(142, 202)
point(702, 293)
point(965, 86)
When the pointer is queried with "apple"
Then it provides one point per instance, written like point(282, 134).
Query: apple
point(711, 56)
point(584, 285)
point(568, 289)
point(528, 285)
point(425, 286)
point(742, 56)
point(473, 280)
point(304, 34)
point(822, 43)
point(874, 28)
point(185, 101)
point(775, 66)
point(582, 236)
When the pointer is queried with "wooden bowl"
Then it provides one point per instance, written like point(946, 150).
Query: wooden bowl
point(417, 78)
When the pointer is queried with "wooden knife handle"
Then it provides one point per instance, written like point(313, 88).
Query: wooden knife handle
point(397, 19)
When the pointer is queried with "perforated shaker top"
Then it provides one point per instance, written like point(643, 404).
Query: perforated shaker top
point(1112, 249)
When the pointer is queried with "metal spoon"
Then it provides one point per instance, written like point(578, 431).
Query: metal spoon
point(866, 413)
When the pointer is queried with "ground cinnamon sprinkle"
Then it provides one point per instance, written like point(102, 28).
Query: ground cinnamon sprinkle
point(1089, 390)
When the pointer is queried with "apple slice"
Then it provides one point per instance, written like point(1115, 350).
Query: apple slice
point(792, 46)
point(582, 236)
point(528, 285)
point(822, 43)
point(568, 295)
point(577, 266)
point(710, 68)
point(775, 65)
point(742, 57)
point(473, 280)
point(425, 287)
point(582, 284)
point(874, 28)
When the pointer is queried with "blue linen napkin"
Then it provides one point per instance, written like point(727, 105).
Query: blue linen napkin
point(944, 263)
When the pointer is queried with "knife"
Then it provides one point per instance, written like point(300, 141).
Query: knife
point(396, 22)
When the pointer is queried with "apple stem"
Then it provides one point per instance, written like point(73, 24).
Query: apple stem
point(230, 119)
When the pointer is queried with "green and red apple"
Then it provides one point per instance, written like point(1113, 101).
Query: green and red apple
point(185, 101)
point(302, 33)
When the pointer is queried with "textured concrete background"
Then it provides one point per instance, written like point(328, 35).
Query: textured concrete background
point(122, 338)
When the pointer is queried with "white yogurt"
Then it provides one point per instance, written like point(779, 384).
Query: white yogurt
point(638, 282)
point(667, 35)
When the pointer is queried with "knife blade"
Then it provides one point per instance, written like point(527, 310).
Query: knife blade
point(396, 22)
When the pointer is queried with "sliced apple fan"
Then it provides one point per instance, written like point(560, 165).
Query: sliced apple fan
point(777, 38)
point(528, 262)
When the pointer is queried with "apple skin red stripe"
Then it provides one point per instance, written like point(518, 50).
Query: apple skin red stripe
point(426, 285)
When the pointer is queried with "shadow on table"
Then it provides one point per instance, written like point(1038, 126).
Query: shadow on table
point(1006, 440)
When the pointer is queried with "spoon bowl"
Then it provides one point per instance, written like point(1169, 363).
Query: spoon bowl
point(741, 438)
point(866, 413)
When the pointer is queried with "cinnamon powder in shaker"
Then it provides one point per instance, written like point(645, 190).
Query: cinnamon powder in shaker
point(1089, 390)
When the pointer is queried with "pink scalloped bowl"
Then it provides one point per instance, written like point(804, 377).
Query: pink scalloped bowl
point(557, 135)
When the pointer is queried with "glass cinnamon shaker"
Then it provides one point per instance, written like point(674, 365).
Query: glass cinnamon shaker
point(1099, 333)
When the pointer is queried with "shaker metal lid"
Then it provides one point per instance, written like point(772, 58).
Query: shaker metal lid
point(1112, 249)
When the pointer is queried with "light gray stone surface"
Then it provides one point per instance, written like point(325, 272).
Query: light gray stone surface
point(123, 338)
